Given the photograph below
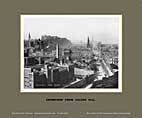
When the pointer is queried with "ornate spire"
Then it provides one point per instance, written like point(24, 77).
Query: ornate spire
point(29, 36)
point(88, 43)
point(29, 39)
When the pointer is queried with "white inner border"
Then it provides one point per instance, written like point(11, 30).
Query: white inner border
point(82, 90)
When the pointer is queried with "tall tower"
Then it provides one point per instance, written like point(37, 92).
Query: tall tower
point(88, 43)
point(57, 51)
point(29, 40)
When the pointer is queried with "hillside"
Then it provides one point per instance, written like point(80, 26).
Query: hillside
point(53, 40)
point(49, 41)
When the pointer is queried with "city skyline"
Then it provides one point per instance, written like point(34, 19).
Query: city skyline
point(71, 68)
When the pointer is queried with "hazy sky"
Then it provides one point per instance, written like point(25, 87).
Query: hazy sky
point(75, 28)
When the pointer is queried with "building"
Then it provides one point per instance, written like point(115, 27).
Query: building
point(54, 77)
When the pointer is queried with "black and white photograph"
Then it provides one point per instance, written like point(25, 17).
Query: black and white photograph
point(71, 53)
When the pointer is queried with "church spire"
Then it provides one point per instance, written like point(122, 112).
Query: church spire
point(29, 39)
point(88, 43)
point(29, 36)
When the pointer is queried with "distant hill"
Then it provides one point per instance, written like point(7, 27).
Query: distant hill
point(50, 42)
point(53, 40)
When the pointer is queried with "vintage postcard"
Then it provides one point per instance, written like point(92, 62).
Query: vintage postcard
point(71, 53)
